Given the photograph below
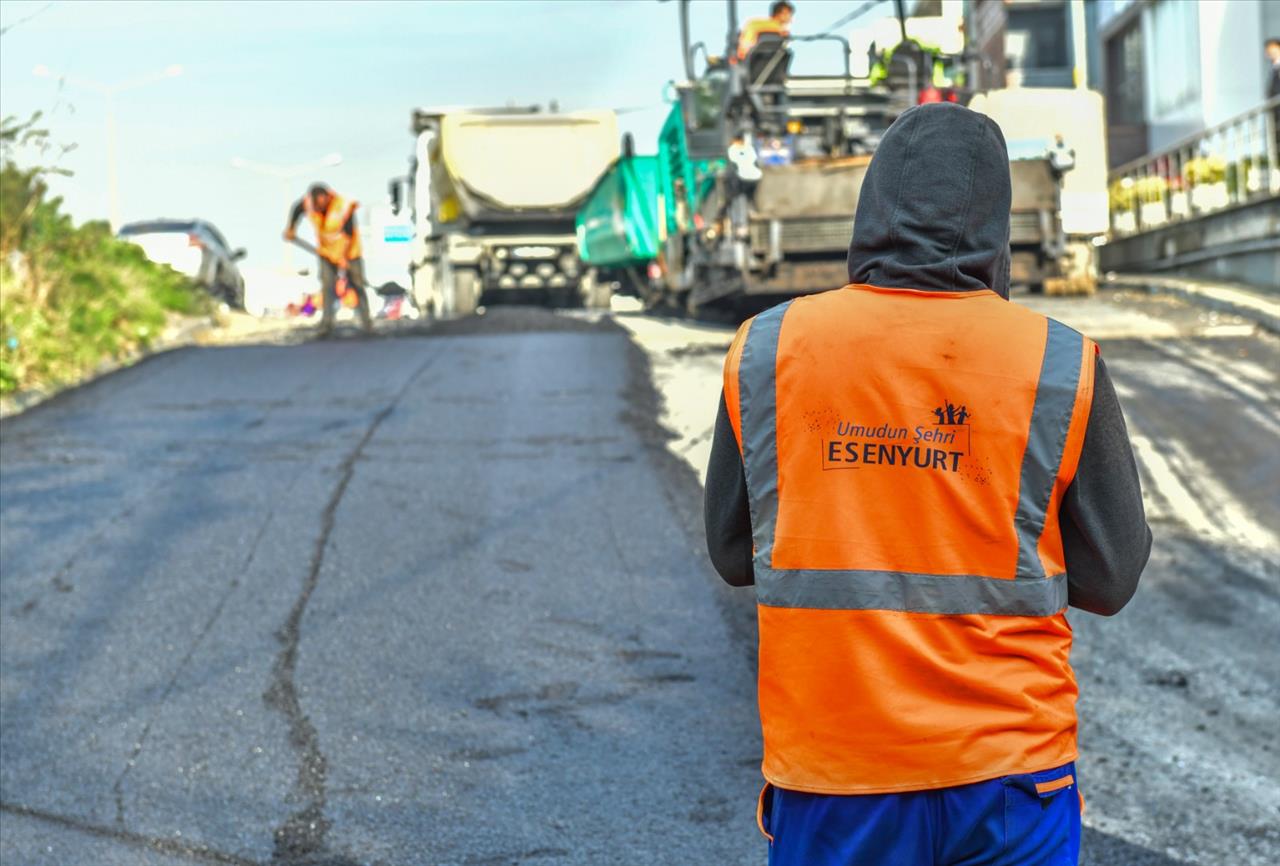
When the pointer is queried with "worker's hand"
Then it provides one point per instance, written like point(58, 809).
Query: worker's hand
point(290, 234)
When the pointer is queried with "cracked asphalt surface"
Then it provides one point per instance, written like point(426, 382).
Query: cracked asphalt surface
point(435, 599)
point(443, 599)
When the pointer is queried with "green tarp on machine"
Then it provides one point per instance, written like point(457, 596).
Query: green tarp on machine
point(618, 225)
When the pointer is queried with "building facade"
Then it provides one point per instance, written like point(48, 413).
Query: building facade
point(1172, 68)
point(1030, 43)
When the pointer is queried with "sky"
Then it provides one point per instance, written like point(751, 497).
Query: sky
point(289, 82)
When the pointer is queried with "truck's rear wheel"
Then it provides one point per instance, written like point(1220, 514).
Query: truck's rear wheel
point(426, 293)
point(1079, 270)
point(596, 294)
point(466, 292)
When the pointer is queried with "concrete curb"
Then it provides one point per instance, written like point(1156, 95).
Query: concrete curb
point(1256, 306)
point(184, 333)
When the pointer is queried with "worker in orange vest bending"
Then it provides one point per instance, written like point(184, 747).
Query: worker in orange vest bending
point(919, 477)
point(338, 243)
point(779, 21)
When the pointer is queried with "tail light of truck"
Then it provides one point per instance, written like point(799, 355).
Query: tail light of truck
point(934, 94)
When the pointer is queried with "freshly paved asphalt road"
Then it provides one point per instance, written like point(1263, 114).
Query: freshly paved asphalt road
point(443, 599)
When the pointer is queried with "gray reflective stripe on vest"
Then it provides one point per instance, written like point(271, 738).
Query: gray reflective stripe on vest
point(1046, 439)
point(1032, 594)
point(917, 593)
point(758, 410)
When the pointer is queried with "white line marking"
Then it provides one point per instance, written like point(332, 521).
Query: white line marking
point(1241, 330)
point(1186, 489)
point(1168, 496)
point(1226, 510)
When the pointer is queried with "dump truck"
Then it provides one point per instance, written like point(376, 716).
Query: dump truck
point(1058, 165)
point(494, 195)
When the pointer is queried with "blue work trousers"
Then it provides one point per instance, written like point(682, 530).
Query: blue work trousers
point(1024, 820)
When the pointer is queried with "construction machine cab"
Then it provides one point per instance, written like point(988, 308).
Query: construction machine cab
point(765, 87)
point(703, 105)
point(769, 61)
point(755, 95)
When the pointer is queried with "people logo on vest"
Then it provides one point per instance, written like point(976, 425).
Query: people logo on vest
point(938, 446)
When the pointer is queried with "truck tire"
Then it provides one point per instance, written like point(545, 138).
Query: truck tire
point(425, 293)
point(596, 294)
point(1079, 266)
point(466, 292)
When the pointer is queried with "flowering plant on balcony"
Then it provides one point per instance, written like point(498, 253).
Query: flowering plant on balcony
point(1126, 193)
point(1205, 169)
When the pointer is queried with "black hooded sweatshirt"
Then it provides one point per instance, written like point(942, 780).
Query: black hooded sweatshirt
point(934, 215)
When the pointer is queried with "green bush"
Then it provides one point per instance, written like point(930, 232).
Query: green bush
point(71, 297)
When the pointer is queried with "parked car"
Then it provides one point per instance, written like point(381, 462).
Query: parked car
point(194, 248)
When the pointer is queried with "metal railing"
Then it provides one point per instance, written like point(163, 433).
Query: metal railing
point(1233, 163)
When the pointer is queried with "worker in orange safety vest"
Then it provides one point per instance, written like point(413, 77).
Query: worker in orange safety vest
point(919, 477)
point(338, 244)
point(779, 22)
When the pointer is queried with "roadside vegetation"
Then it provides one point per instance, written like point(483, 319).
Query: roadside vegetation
point(71, 297)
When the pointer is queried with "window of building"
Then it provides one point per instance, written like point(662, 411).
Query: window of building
point(1125, 76)
point(1036, 37)
point(1037, 45)
point(1125, 88)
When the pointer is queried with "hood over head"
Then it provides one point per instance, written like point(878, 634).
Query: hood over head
point(934, 208)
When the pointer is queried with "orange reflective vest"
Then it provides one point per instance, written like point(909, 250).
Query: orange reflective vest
point(751, 31)
point(906, 455)
point(330, 240)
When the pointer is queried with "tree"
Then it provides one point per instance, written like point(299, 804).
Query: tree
point(24, 190)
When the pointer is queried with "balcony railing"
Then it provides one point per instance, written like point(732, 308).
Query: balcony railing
point(1233, 163)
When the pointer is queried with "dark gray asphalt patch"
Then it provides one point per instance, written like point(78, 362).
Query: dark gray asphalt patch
point(519, 320)
point(1169, 679)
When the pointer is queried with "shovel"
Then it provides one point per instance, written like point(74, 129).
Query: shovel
point(303, 245)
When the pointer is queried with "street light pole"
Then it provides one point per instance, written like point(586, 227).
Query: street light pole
point(113, 184)
point(108, 92)
point(286, 174)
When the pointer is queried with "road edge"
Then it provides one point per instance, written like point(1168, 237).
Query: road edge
point(1251, 304)
point(186, 333)
point(684, 491)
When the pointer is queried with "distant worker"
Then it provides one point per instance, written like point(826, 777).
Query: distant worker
point(1273, 86)
point(1273, 56)
point(338, 243)
point(745, 161)
point(744, 174)
point(779, 22)
point(912, 577)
